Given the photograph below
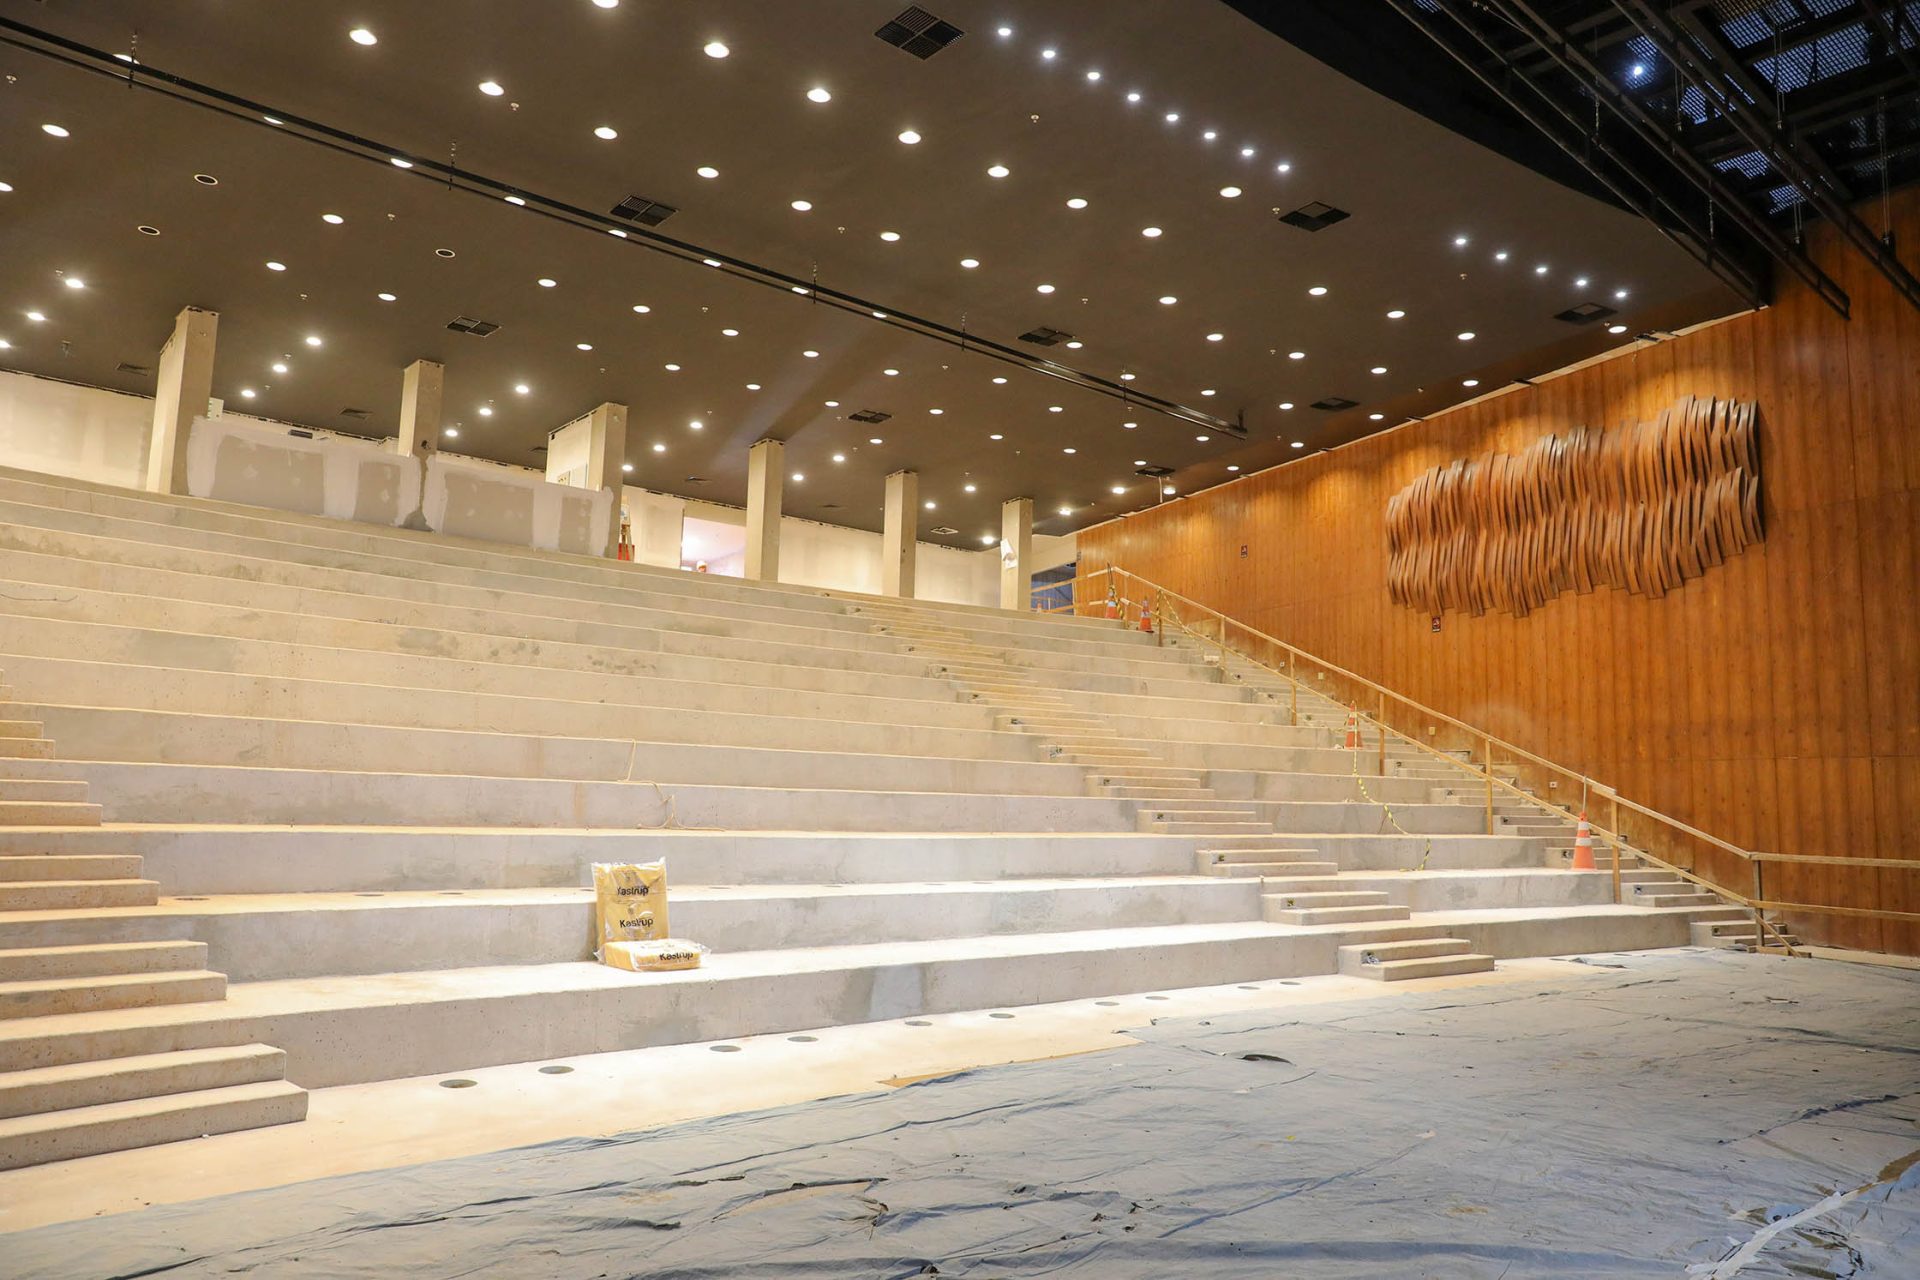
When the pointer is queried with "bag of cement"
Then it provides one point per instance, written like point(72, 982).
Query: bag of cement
point(656, 956)
point(630, 902)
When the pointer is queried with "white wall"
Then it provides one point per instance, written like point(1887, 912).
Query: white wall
point(101, 436)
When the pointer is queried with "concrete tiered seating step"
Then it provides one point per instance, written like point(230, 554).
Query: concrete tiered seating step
point(362, 773)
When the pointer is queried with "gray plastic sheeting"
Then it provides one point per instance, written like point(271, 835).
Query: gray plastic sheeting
point(1685, 1114)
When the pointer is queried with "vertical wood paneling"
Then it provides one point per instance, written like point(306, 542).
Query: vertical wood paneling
point(1775, 700)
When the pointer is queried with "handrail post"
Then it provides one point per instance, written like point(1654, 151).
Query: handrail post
point(1614, 841)
point(1293, 686)
point(1487, 741)
point(1759, 916)
point(1383, 733)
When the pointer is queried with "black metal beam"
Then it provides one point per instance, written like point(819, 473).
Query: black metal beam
point(1709, 66)
point(1541, 108)
point(1660, 135)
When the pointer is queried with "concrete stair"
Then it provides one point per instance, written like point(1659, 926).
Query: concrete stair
point(1414, 958)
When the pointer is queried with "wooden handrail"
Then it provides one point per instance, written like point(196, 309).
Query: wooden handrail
point(1754, 901)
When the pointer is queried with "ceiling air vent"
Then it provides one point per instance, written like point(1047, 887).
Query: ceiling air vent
point(1155, 473)
point(358, 415)
point(467, 324)
point(139, 369)
point(945, 530)
point(697, 480)
point(1586, 313)
point(1333, 404)
point(648, 213)
point(1046, 337)
point(868, 415)
point(919, 33)
point(1317, 216)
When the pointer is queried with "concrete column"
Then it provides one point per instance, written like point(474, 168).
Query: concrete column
point(766, 473)
point(184, 383)
point(422, 388)
point(1016, 553)
point(898, 540)
point(606, 461)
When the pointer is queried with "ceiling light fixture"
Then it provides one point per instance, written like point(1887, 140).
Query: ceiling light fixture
point(1467, 336)
point(332, 219)
point(1500, 256)
point(546, 283)
point(1246, 153)
point(1093, 75)
point(1231, 193)
point(451, 433)
point(271, 266)
point(1209, 392)
point(729, 333)
point(1056, 408)
point(583, 346)
point(1299, 444)
point(715, 49)
point(811, 355)
point(279, 366)
point(875, 440)
point(998, 171)
point(1049, 54)
point(486, 411)
point(36, 317)
point(969, 263)
point(1283, 167)
point(1396, 314)
point(890, 236)
point(491, 88)
point(1379, 369)
point(1286, 404)
point(1616, 328)
point(797, 477)
point(753, 386)
point(1078, 202)
point(839, 457)
point(641, 308)
point(1004, 32)
point(802, 206)
point(999, 381)
point(360, 35)
point(521, 388)
point(891, 373)
point(606, 132)
point(707, 171)
point(659, 447)
point(313, 339)
point(996, 436)
point(1210, 135)
point(1318, 291)
point(1619, 294)
point(1216, 337)
point(1470, 382)
point(54, 130)
point(1231, 467)
point(1151, 233)
point(672, 368)
point(1581, 283)
point(1201, 439)
point(1173, 117)
point(1043, 288)
point(1296, 355)
point(1069, 449)
point(1459, 242)
point(1167, 299)
point(387, 297)
point(515, 200)
point(929, 504)
point(1375, 417)
point(819, 94)
point(1075, 344)
point(910, 136)
point(627, 467)
point(1540, 270)
point(247, 393)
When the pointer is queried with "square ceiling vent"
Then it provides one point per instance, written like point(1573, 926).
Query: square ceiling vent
point(869, 415)
point(1317, 216)
point(1586, 313)
point(1334, 404)
point(919, 33)
point(648, 213)
point(1155, 473)
point(1044, 337)
point(467, 324)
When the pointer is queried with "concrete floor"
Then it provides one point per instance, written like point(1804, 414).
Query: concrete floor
point(355, 1128)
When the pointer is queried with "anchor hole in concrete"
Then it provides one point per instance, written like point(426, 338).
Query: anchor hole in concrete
point(458, 1084)
point(725, 1048)
point(556, 1069)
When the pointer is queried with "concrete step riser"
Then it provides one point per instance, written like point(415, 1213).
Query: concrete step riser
point(93, 1084)
point(101, 866)
point(50, 997)
point(122, 1126)
point(47, 964)
point(66, 895)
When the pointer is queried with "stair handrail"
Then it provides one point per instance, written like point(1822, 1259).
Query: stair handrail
point(1137, 592)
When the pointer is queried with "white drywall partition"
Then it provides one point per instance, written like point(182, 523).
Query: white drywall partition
point(300, 469)
point(468, 498)
point(66, 429)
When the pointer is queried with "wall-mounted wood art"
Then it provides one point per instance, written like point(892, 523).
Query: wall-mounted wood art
point(1644, 507)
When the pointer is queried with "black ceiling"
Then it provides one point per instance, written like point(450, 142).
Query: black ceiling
point(569, 66)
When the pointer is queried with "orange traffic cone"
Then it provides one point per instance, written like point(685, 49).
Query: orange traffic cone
point(1353, 731)
point(1113, 601)
point(1146, 618)
point(1583, 846)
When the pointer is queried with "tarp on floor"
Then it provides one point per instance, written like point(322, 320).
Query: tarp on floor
point(1685, 1114)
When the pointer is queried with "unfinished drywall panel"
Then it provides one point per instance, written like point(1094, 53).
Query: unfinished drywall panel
point(300, 469)
point(468, 498)
point(657, 521)
point(64, 429)
point(567, 452)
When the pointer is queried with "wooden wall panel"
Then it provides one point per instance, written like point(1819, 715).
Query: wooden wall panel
point(1775, 700)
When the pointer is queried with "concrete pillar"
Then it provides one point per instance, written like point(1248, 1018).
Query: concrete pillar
point(184, 383)
point(898, 541)
point(766, 473)
point(606, 461)
point(422, 388)
point(1016, 553)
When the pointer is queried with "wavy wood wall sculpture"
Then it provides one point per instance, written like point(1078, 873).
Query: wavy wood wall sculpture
point(1644, 507)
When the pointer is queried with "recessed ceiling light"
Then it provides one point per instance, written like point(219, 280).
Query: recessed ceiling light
point(929, 504)
point(797, 477)
point(486, 411)
point(1581, 283)
point(1396, 314)
point(1231, 467)
point(641, 308)
point(1055, 408)
point(711, 262)
point(1231, 193)
point(1119, 488)
point(801, 206)
point(1075, 344)
point(1004, 32)
point(1283, 167)
point(1540, 270)
point(707, 171)
point(1619, 293)
point(451, 433)
point(1459, 242)
point(443, 253)
point(715, 49)
point(546, 282)
point(583, 346)
point(1375, 417)
point(606, 132)
point(998, 171)
point(491, 88)
point(1049, 54)
point(1286, 404)
point(75, 282)
point(1069, 449)
point(608, 4)
point(1201, 439)
point(753, 386)
point(5, 187)
point(910, 136)
point(398, 163)
point(1151, 233)
point(1209, 392)
point(1078, 202)
point(672, 368)
point(969, 263)
point(839, 457)
point(832, 404)
point(999, 381)
point(819, 94)
point(1173, 117)
point(1470, 382)
point(1318, 291)
point(332, 219)
point(271, 266)
point(890, 236)
point(1210, 135)
point(1093, 75)
point(1500, 256)
point(1246, 153)
point(1129, 425)
point(875, 440)
point(811, 355)
point(36, 317)
point(996, 436)
point(1216, 337)
point(1043, 288)
point(615, 231)
point(360, 35)
point(729, 333)
point(1467, 336)
point(1128, 377)
point(987, 539)
point(313, 339)
point(879, 315)
point(1299, 444)
point(247, 392)
point(1296, 355)
point(279, 366)
point(659, 447)
point(1379, 368)
point(273, 120)
point(969, 488)
point(1168, 491)
point(387, 297)
point(521, 388)
point(54, 130)
point(515, 200)
point(891, 373)
point(1616, 328)
point(1167, 299)
point(1133, 96)
point(627, 467)
point(800, 289)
